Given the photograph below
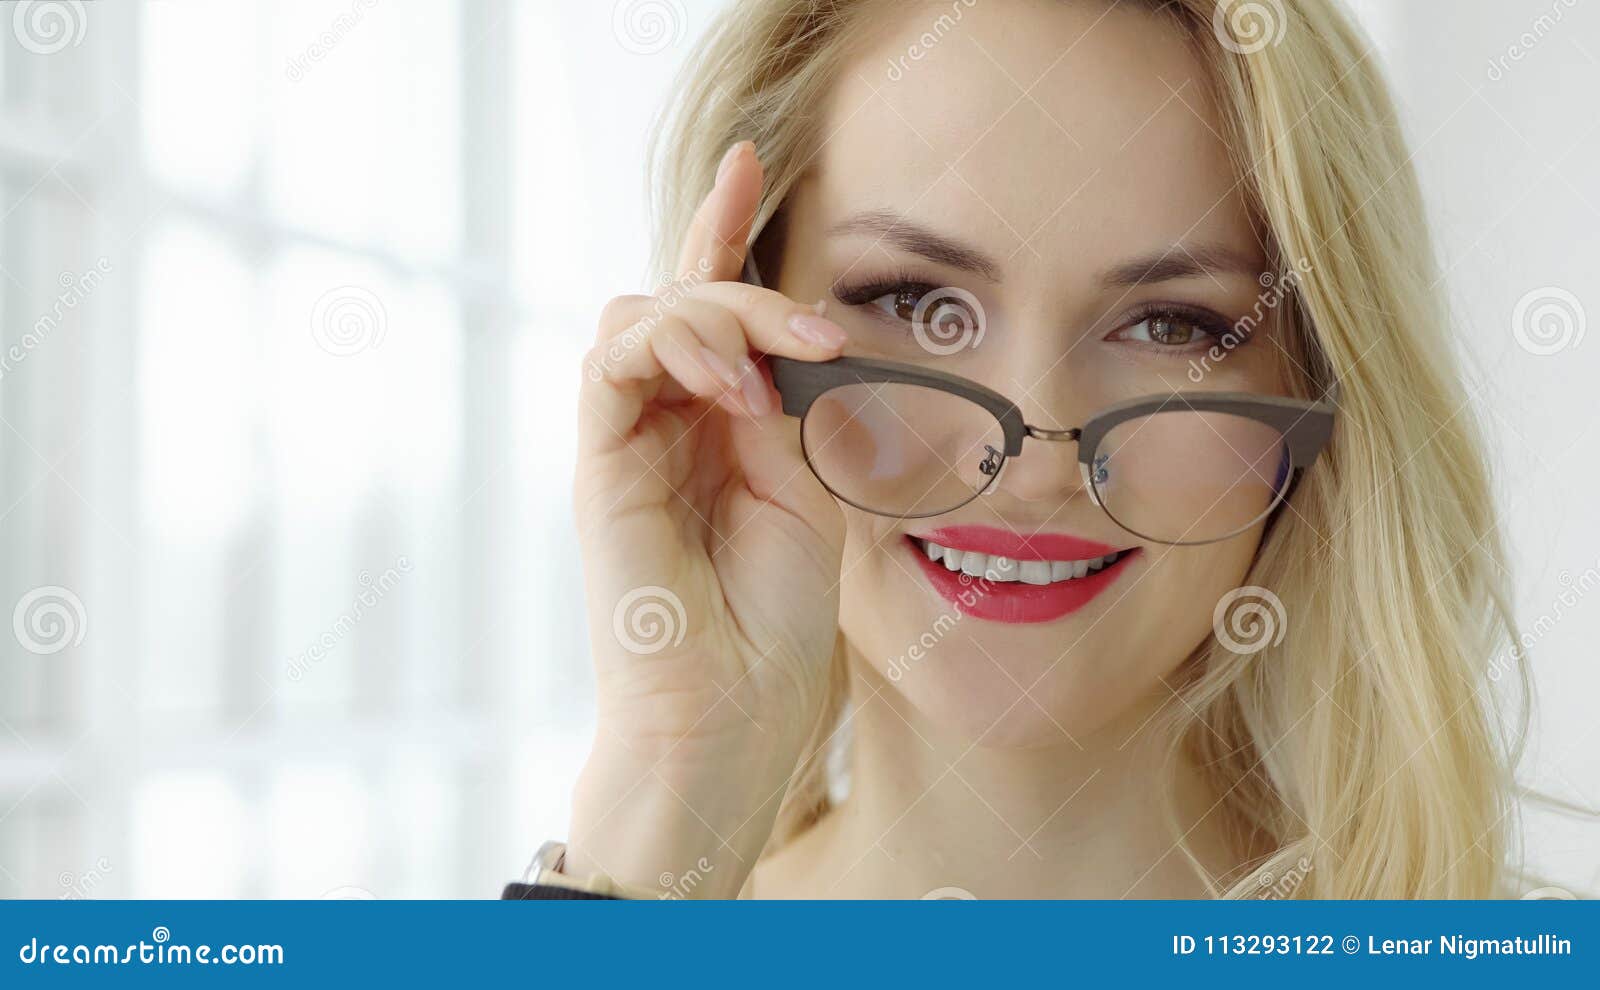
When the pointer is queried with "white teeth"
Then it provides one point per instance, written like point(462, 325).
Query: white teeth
point(1001, 569)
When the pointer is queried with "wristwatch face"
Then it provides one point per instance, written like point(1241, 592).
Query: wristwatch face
point(549, 857)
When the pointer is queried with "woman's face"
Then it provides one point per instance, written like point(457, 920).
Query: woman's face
point(1062, 163)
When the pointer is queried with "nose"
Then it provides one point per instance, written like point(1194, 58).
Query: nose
point(1047, 469)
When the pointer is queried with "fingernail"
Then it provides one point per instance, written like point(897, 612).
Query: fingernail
point(817, 330)
point(756, 394)
point(729, 155)
point(719, 367)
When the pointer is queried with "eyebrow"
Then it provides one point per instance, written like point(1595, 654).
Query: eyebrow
point(908, 235)
point(1176, 262)
point(1182, 261)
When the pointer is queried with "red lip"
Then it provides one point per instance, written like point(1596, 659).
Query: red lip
point(1014, 601)
point(1005, 543)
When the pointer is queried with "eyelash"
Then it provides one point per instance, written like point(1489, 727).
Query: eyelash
point(1210, 323)
point(873, 289)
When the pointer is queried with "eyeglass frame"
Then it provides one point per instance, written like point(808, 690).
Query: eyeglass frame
point(1306, 425)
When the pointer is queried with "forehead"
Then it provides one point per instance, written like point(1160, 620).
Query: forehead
point(1061, 129)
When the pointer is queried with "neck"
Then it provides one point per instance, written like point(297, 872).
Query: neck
point(929, 809)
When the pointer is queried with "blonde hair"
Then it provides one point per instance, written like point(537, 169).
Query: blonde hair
point(1364, 751)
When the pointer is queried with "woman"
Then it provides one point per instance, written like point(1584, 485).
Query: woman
point(1056, 585)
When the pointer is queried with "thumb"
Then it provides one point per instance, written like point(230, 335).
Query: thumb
point(775, 470)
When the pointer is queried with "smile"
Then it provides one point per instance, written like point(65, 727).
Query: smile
point(999, 576)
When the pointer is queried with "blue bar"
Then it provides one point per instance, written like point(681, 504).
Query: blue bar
point(761, 944)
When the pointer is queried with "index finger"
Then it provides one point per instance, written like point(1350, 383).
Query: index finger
point(714, 247)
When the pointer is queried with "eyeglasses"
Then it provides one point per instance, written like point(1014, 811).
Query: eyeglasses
point(1185, 468)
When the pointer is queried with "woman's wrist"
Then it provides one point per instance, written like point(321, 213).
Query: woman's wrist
point(682, 827)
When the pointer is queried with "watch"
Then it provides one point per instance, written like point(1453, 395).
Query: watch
point(544, 880)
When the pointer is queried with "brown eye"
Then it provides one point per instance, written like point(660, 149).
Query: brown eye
point(905, 304)
point(1169, 330)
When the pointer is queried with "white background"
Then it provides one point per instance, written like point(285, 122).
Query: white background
point(208, 493)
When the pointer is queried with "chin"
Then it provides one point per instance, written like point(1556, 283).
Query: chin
point(984, 695)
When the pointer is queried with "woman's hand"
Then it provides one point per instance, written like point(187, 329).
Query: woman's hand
point(711, 565)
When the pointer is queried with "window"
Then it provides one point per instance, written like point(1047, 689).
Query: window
point(293, 539)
